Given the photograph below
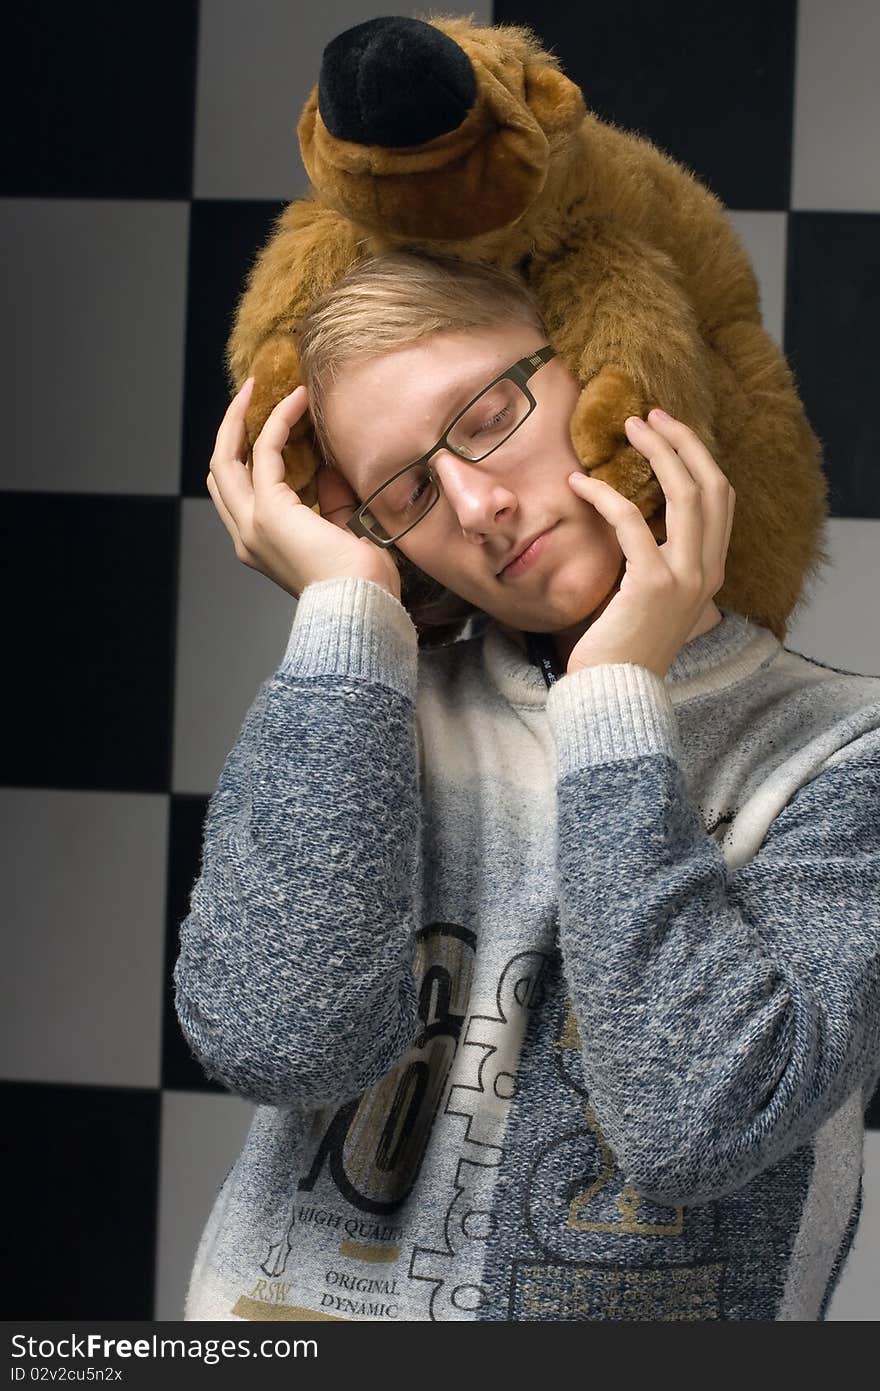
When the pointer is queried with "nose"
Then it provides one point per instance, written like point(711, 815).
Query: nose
point(474, 492)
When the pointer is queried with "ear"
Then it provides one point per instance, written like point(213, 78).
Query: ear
point(556, 102)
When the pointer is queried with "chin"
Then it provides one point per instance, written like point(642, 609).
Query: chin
point(582, 597)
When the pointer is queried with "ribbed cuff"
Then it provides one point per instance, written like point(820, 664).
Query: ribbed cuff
point(351, 626)
point(610, 712)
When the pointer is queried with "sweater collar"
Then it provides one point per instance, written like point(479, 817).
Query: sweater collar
point(731, 651)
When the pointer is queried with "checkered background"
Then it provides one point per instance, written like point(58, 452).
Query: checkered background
point(148, 150)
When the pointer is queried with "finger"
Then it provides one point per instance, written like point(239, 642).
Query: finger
point(268, 469)
point(231, 439)
point(223, 511)
point(231, 475)
point(687, 443)
point(235, 488)
point(687, 504)
point(633, 533)
point(718, 516)
point(337, 499)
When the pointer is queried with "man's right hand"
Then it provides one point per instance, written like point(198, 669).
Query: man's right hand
point(272, 530)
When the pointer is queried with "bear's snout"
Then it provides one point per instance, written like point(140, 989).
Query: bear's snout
point(394, 82)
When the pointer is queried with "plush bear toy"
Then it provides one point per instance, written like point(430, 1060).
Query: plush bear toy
point(441, 134)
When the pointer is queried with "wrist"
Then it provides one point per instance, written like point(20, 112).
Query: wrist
point(617, 659)
point(379, 577)
point(390, 589)
point(343, 625)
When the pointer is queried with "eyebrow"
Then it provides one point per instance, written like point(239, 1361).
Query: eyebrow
point(457, 394)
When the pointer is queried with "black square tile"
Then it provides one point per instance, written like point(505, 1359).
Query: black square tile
point(90, 640)
point(224, 240)
point(102, 97)
point(872, 1114)
point(711, 85)
point(80, 1236)
point(832, 308)
point(180, 1070)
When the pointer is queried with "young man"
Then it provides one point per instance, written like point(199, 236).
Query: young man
point(554, 981)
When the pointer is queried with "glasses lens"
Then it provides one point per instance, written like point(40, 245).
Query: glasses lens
point(401, 503)
point(490, 419)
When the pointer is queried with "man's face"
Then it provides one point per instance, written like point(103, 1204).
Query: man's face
point(383, 413)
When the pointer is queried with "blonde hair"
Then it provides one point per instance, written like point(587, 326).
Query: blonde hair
point(386, 302)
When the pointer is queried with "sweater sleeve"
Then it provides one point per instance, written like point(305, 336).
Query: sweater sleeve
point(293, 983)
point(723, 1014)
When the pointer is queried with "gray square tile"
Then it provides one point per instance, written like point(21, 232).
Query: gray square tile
point(91, 396)
point(81, 992)
point(255, 76)
point(232, 630)
point(836, 163)
point(202, 1136)
point(764, 236)
point(838, 624)
point(857, 1297)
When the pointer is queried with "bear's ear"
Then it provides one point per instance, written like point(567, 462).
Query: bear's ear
point(556, 102)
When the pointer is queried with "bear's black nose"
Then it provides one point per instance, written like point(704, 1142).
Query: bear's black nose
point(394, 81)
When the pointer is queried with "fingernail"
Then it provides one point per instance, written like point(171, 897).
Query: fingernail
point(660, 415)
point(635, 422)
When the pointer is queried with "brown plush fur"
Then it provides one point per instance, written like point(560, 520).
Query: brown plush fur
point(647, 291)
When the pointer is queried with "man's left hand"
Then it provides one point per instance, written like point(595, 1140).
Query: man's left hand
point(665, 588)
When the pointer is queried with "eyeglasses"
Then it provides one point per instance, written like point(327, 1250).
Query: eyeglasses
point(486, 423)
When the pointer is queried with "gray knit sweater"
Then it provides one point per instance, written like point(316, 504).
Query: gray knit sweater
point(553, 1004)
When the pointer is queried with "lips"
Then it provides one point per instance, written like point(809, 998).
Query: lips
point(514, 555)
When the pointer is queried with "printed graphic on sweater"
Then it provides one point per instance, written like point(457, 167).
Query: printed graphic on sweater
point(350, 1212)
point(368, 1156)
point(524, 1214)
